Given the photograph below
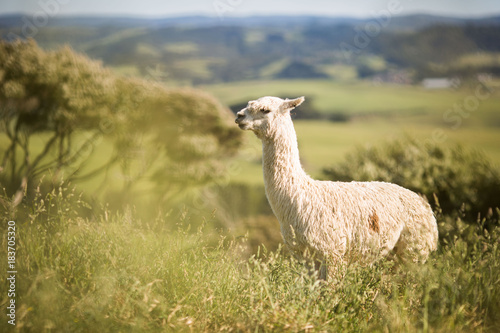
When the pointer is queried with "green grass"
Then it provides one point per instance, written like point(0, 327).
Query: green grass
point(116, 273)
point(182, 47)
point(112, 38)
point(478, 59)
point(273, 68)
point(340, 72)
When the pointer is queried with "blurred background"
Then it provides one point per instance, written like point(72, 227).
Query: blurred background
point(130, 104)
point(132, 202)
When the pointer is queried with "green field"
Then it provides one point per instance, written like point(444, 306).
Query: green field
point(324, 143)
point(378, 113)
point(351, 97)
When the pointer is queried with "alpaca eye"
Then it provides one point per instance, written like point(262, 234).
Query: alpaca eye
point(265, 110)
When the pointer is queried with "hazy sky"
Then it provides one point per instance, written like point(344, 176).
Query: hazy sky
point(162, 8)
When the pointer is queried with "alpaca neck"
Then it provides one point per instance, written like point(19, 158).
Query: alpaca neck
point(281, 162)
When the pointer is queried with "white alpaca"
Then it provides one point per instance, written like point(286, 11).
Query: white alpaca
point(334, 220)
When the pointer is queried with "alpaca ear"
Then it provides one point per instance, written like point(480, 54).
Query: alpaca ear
point(290, 104)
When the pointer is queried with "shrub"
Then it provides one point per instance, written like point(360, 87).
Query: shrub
point(462, 179)
point(63, 115)
point(49, 98)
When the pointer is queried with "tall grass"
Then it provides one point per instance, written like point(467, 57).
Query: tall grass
point(114, 273)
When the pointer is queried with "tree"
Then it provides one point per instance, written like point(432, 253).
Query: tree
point(179, 138)
point(57, 107)
point(51, 96)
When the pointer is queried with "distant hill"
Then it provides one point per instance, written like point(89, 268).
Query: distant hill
point(199, 50)
point(413, 22)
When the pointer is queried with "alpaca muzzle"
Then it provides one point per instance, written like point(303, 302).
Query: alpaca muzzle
point(239, 117)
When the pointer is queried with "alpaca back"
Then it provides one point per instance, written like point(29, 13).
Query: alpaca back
point(363, 219)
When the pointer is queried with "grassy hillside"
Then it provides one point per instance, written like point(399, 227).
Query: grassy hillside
point(118, 273)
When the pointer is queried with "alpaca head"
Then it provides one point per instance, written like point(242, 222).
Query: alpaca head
point(265, 114)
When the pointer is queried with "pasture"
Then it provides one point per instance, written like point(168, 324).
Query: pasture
point(377, 113)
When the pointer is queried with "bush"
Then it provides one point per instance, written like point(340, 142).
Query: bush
point(64, 115)
point(462, 179)
point(61, 100)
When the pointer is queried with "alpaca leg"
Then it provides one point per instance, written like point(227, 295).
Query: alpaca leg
point(322, 269)
point(395, 245)
point(402, 251)
point(323, 274)
point(317, 265)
